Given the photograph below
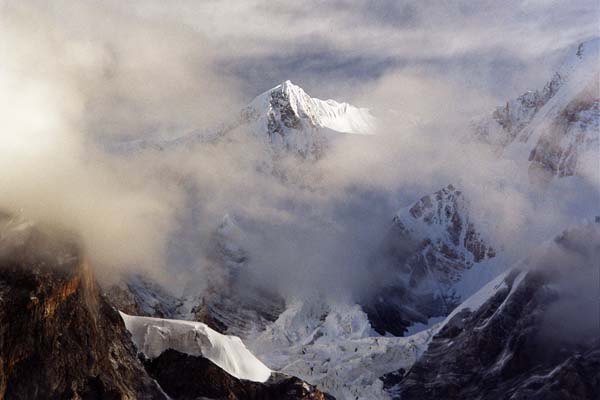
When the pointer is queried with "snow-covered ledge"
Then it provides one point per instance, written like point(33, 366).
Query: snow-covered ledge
point(152, 336)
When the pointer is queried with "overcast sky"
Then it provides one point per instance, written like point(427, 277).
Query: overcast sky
point(324, 44)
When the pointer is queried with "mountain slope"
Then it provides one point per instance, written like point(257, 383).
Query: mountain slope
point(285, 119)
point(229, 299)
point(234, 302)
point(554, 129)
point(532, 333)
point(59, 338)
point(138, 295)
point(433, 258)
point(190, 360)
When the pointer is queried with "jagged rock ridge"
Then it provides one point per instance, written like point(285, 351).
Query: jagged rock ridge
point(297, 123)
point(431, 246)
point(554, 129)
point(514, 339)
point(59, 338)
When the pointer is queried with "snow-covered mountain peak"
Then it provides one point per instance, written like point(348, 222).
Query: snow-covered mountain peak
point(523, 314)
point(443, 216)
point(294, 108)
point(435, 257)
point(291, 121)
point(285, 118)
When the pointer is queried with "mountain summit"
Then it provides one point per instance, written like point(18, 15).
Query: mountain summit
point(285, 118)
point(296, 122)
point(290, 100)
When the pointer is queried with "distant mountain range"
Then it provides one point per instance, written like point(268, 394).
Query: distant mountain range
point(448, 319)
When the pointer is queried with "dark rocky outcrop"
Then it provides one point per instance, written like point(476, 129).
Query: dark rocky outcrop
point(186, 377)
point(538, 337)
point(61, 338)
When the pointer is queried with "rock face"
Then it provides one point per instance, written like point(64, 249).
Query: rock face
point(237, 309)
point(184, 377)
point(230, 305)
point(554, 129)
point(430, 248)
point(515, 339)
point(449, 240)
point(139, 295)
point(59, 338)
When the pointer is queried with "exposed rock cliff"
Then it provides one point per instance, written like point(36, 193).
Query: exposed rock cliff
point(530, 334)
point(59, 338)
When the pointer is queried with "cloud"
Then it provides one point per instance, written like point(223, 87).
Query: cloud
point(75, 76)
point(79, 75)
point(301, 38)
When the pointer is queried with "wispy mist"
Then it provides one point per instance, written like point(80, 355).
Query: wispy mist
point(76, 76)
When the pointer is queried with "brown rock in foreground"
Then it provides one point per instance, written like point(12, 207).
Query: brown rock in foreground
point(59, 338)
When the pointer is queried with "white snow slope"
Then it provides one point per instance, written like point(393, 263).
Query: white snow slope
point(152, 336)
point(555, 129)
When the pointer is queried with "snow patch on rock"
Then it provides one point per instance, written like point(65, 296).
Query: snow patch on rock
point(152, 336)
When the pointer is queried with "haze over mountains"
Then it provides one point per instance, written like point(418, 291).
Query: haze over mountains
point(433, 255)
